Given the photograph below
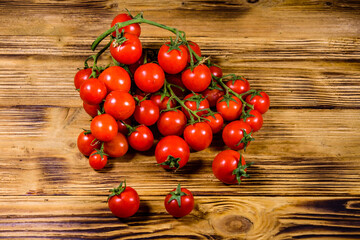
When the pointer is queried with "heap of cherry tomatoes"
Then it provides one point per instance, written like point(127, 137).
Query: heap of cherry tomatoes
point(173, 90)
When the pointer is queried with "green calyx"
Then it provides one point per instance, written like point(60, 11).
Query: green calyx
point(118, 190)
point(240, 171)
point(227, 98)
point(176, 195)
point(247, 137)
point(100, 151)
point(246, 115)
point(255, 93)
point(172, 162)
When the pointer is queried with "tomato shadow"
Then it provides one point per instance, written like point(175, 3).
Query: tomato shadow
point(142, 215)
point(192, 167)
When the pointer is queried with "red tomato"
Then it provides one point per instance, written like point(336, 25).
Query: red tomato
point(132, 28)
point(122, 128)
point(216, 71)
point(173, 61)
point(104, 127)
point(116, 78)
point(92, 110)
point(172, 123)
point(149, 77)
point(230, 110)
point(195, 48)
point(81, 76)
point(256, 121)
point(176, 80)
point(97, 161)
point(198, 79)
point(195, 102)
point(117, 147)
point(228, 168)
point(87, 143)
point(179, 202)
point(128, 52)
point(162, 104)
point(198, 135)
point(93, 91)
point(146, 112)
point(172, 152)
point(216, 122)
point(119, 104)
point(123, 201)
point(212, 95)
point(141, 139)
point(260, 103)
point(239, 86)
point(234, 137)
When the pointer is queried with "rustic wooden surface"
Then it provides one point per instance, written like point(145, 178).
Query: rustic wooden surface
point(305, 183)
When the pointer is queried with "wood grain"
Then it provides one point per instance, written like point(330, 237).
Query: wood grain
point(305, 180)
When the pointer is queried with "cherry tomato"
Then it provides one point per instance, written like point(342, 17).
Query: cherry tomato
point(93, 91)
point(229, 108)
point(216, 122)
point(141, 139)
point(239, 85)
point(87, 143)
point(124, 201)
point(81, 76)
point(116, 78)
point(162, 104)
point(117, 147)
point(119, 104)
point(122, 128)
point(175, 79)
point(179, 202)
point(128, 52)
point(198, 79)
point(195, 48)
point(149, 77)
point(97, 161)
point(172, 152)
point(104, 127)
point(173, 61)
point(256, 121)
point(234, 137)
point(198, 135)
point(228, 168)
point(213, 94)
point(172, 123)
point(132, 28)
point(216, 71)
point(92, 110)
point(146, 112)
point(195, 102)
point(261, 103)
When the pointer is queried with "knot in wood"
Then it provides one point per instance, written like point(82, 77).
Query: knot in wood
point(232, 224)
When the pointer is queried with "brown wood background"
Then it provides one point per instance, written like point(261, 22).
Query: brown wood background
point(305, 183)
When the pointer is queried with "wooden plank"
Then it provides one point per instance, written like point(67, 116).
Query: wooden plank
point(296, 153)
point(237, 217)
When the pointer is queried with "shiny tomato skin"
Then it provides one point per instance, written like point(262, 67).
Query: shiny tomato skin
point(119, 104)
point(162, 104)
point(104, 127)
point(81, 76)
point(116, 78)
point(261, 104)
point(216, 122)
point(195, 47)
point(198, 79)
point(216, 71)
point(146, 112)
point(231, 112)
point(87, 143)
point(93, 91)
point(173, 61)
point(117, 147)
point(128, 52)
point(96, 161)
point(198, 135)
point(174, 146)
point(149, 77)
point(212, 95)
point(126, 204)
point(132, 28)
point(224, 164)
point(187, 204)
point(92, 110)
point(239, 86)
point(172, 123)
point(142, 139)
point(255, 122)
point(204, 104)
point(233, 133)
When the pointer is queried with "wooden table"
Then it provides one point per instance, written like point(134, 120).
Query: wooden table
point(305, 183)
